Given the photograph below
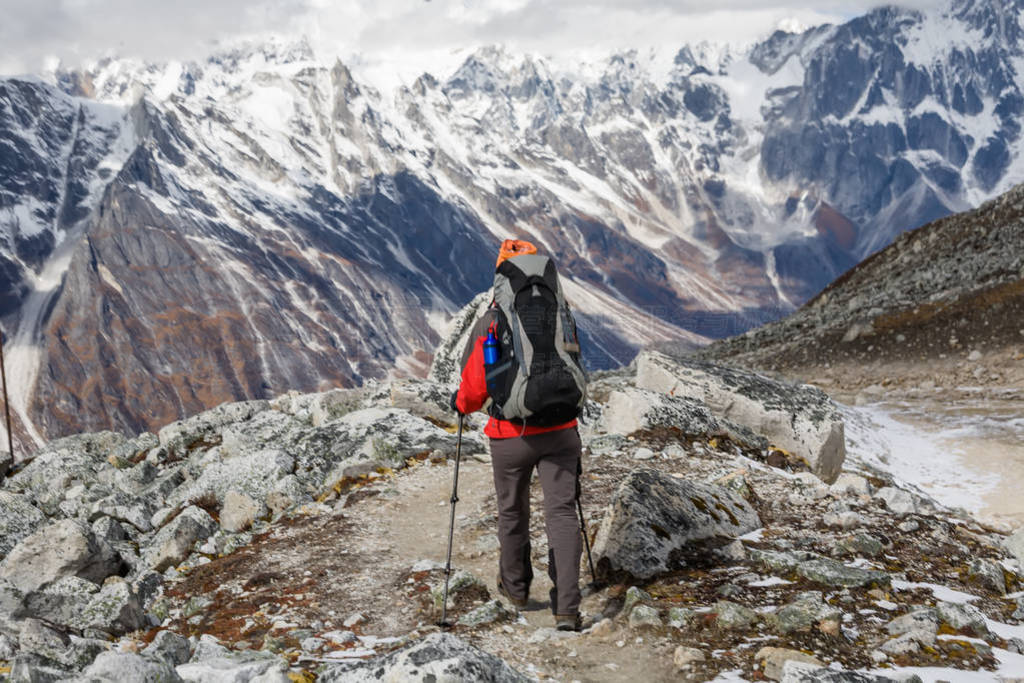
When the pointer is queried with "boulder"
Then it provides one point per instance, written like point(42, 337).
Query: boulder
point(447, 363)
point(654, 519)
point(169, 647)
point(116, 610)
point(64, 548)
point(1015, 544)
point(963, 617)
point(439, 656)
point(773, 660)
point(334, 404)
point(239, 511)
point(795, 671)
point(644, 616)
point(124, 507)
point(923, 623)
point(61, 465)
point(173, 543)
point(18, 519)
point(838, 575)
point(61, 602)
point(987, 574)
point(685, 657)
point(799, 419)
point(488, 613)
point(421, 398)
point(202, 431)
point(806, 611)
point(898, 501)
point(40, 640)
point(254, 474)
point(636, 410)
point(126, 666)
point(243, 667)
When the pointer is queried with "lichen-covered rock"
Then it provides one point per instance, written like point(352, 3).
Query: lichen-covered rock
point(421, 398)
point(488, 613)
point(439, 657)
point(635, 410)
point(64, 548)
point(18, 519)
point(963, 617)
point(115, 610)
point(173, 543)
point(800, 419)
point(62, 601)
point(1015, 544)
point(447, 366)
point(794, 671)
point(654, 519)
point(773, 660)
point(987, 574)
point(781, 562)
point(923, 620)
point(63, 464)
point(681, 617)
point(802, 614)
point(247, 667)
point(898, 501)
point(685, 657)
point(202, 431)
point(862, 544)
point(134, 510)
point(831, 573)
point(254, 474)
point(169, 647)
point(463, 587)
point(39, 639)
point(239, 511)
point(731, 616)
point(126, 666)
point(644, 616)
point(634, 595)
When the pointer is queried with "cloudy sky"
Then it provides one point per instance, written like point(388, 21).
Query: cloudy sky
point(34, 32)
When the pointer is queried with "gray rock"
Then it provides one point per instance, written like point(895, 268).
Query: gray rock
point(1015, 645)
point(963, 617)
point(831, 573)
point(6, 461)
point(924, 620)
point(202, 431)
point(62, 601)
point(115, 610)
point(64, 548)
point(799, 419)
point(794, 671)
point(63, 464)
point(422, 398)
point(336, 403)
point(12, 599)
point(124, 507)
point(987, 574)
point(633, 410)
point(439, 656)
point(243, 667)
point(488, 613)
point(447, 366)
point(862, 544)
point(802, 614)
point(253, 474)
point(29, 668)
point(634, 595)
point(108, 530)
point(169, 647)
point(644, 616)
point(906, 644)
point(731, 616)
point(783, 563)
point(173, 543)
point(18, 519)
point(238, 512)
point(462, 583)
point(896, 500)
point(126, 666)
point(1015, 544)
point(849, 484)
point(681, 617)
point(773, 660)
point(685, 657)
point(37, 638)
point(654, 517)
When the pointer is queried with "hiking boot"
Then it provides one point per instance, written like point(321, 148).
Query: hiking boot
point(568, 622)
point(516, 602)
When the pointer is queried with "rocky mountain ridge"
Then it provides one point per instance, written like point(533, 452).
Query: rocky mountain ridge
point(949, 296)
point(299, 538)
point(179, 235)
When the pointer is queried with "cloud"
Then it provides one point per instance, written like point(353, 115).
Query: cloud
point(78, 31)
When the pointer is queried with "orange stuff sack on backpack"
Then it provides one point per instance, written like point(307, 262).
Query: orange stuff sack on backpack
point(510, 248)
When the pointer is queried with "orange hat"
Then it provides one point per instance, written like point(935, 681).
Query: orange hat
point(510, 248)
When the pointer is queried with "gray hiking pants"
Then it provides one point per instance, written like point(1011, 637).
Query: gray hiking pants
point(556, 455)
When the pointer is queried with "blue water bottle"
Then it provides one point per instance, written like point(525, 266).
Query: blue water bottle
point(491, 349)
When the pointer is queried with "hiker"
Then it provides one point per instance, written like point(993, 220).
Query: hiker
point(532, 420)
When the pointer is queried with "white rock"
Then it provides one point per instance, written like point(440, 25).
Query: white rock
point(851, 484)
point(683, 657)
point(238, 512)
point(801, 420)
point(898, 501)
point(773, 660)
point(64, 548)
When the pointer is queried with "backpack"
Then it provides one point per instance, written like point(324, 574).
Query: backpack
point(538, 379)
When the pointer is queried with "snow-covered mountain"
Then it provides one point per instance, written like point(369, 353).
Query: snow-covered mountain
point(173, 236)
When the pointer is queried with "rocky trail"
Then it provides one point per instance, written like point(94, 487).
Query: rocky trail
point(303, 539)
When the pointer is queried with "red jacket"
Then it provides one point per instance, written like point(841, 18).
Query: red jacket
point(473, 394)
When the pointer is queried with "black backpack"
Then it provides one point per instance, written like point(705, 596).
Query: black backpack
point(538, 378)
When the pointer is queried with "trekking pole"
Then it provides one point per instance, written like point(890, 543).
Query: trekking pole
point(451, 527)
point(583, 524)
point(7, 402)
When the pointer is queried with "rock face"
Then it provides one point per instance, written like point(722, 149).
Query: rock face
point(654, 518)
point(802, 420)
point(440, 657)
point(61, 549)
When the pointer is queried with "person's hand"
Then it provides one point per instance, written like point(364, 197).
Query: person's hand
point(452, 402)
